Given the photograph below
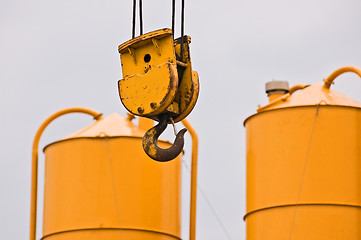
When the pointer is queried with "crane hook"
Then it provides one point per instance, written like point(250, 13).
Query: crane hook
point(150, 140)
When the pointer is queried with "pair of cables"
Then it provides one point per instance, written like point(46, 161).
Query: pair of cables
point(141, 18)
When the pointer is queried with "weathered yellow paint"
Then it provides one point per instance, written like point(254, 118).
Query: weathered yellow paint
point(142, 46)
point(303, 167)
point(156, 78)
point(188, 89)
point(150, 77)
point(149, 94)
point(152, 150)
point(99, 184)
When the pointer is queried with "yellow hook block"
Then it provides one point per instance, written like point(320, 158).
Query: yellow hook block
point(150, 78)
point(156, 78)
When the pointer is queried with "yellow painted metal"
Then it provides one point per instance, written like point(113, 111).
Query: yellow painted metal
point(311, 95)
point(150, 94)
point(150, 77)
point(303, 167)
point(34, 165)
point(99, 184)
point(158, 76)
point(188, 89)
point(340, 71)
point(296, 88)
point(194, 172)
point(274, 96)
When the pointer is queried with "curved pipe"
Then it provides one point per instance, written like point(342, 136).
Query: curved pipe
point(193, 197)
point(284, 97)
point(34, 164)
point(297, 87)
point(151, 147)
point(338, 72)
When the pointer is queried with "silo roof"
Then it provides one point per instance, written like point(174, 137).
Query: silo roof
point(109, 126)
point(314, 94)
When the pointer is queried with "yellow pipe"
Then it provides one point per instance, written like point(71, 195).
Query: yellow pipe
point(34, 165)
point(283, 97)
point(193, 197)
point(338, 72)
point(297, 87)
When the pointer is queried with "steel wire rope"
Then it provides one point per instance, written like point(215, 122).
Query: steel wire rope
point(304, 171)
point(173, 17)
point(182, 25)
point(182, 30)
point(133, 22)
point(140, 17)
point(208, 202)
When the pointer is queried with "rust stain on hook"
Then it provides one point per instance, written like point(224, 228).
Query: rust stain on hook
point(150, 140)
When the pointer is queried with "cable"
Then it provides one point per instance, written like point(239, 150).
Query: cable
point(182, 23)
point(133, 29)
point(173, 17)
point(141, 17)
point(209, 204)
point(182, 31)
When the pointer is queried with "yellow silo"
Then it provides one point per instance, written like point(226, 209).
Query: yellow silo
point(99, 184)
point(304, 165)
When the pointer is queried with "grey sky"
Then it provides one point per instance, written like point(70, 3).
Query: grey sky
point(58, 54)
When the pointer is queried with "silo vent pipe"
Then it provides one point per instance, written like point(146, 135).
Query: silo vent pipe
point(34, 164)
point(338, 72)
point(297, 87)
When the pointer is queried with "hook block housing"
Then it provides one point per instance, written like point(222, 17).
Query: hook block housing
point(150, 78)
point(158, 76)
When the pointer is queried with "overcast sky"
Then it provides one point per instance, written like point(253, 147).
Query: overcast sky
point(59, 54)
